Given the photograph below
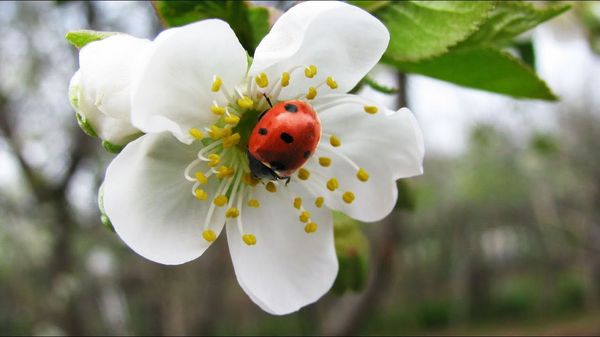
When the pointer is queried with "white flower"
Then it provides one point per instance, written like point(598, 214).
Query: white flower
point(170, 193)
point(99, 91)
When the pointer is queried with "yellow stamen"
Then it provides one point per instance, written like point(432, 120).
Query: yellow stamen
point(225, 172)
point(217, 110)
point(232, 140)
point(233, 120)
point(262, 80)
point(362, 175)
point(324, 161)
point(303, 174)
point(312, 93)
point(248, 179)
point(253, 203)
point(216, 85)
point(297, 203)
point(310, 71)
point(220, 200)
point(209, 235)
point(311, 227)
point(200, 194)
point(348, 197)
point(304, 216)
point(201, 178)
point(232, 212)
point(215, 132)
point(334, 141)
point(285, 79)
point(196, 133)
point(332, 184)
point(319, 202)
point(245, 102)
point(371, 109)
point(271, 187)
point(331, 83)
point(249, 239)
point(213, 160)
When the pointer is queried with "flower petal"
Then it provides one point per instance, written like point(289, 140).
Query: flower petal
point(341, 40)
point(106, 73)
point(173, 87)
point(118, 131)
point(388, 145)
point(287, 268)
point(150, 203)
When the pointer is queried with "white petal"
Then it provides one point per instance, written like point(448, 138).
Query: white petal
point(151, 205)
point(388, 145)
point(118, 131)
point(287, 268)
point(173, 88)
point(106, 71)
point(341, 40)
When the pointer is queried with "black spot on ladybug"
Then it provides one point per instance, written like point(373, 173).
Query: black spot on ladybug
point(262, 131)
point(306, 154)
point(286, 137)
point(275, 165)
point(291, 107)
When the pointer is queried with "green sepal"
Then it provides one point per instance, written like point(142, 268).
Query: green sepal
point(112, 148)
point(352, 248)
point(80, 38)
point(379, 87)
point(85, 125)
point(103, 217)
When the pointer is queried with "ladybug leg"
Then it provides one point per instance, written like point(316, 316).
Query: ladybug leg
point(287, 180)
point(262, 114)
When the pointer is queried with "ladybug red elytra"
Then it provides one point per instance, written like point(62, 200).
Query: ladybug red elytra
point(284, 138)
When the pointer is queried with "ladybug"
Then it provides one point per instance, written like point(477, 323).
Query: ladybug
point(285, 136)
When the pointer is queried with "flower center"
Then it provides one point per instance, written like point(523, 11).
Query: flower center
point(223, 156)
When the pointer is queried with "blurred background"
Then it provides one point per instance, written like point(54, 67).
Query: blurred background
point(501, 235)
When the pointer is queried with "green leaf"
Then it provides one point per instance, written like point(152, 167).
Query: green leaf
point(508, 19)
point(422, 29)
point(485, 69)
point(247, 22)
point(80, 38)
point(378, 86)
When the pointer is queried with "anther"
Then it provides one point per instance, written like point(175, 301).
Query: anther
point(217, 110)
point(201, 178)
point(253, 203)
point(310, 71)
point(303, 174)
point(332, 184)
point(249, 239)
point(285, 79)
point(225, 172)
point(232, 212)
point(334, 141)
point(304, 216)
point(200, 194)
point(310, 227)
point(324, 161)
point(216, 132)
point(362, 175)
point(209, 235)
point(371, 109)
point(245, 102)
point(262, 80)
point(196, 133)
point(297, 203)
point(348, 197)
point(232, 120)
point(248, 179)
point(319, 202)
point(216, 85)
point(213, 160)
point(331, 83)
point(221, 200)
point(312, 93)
point(232, 140)
point(271, 187)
